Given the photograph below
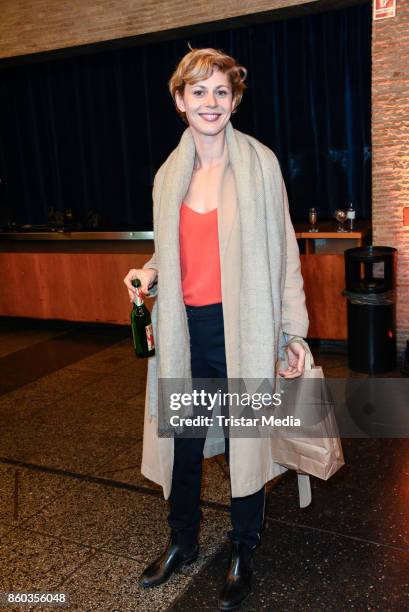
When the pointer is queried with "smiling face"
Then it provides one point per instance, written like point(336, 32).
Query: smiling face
point(208, 104)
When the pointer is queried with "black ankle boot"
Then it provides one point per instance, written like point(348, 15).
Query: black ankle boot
point(173, 557)
point(237, 586)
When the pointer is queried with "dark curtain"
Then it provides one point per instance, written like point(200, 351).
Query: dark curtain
point(89, 132)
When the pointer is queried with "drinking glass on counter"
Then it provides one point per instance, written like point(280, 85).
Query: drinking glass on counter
point(340, 215)
point(312, 217)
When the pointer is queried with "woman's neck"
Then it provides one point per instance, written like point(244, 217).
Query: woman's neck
point(210, 150)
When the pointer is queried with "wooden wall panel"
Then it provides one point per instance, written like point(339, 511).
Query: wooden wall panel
point(324, 279)
point(89, 287)
point(69, 286)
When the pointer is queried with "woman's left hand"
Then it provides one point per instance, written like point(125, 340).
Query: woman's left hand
point(296, 361)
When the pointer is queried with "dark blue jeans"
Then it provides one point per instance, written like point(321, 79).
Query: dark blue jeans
point(208, 360)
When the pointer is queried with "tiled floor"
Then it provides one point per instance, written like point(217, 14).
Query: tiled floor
point(77, 516)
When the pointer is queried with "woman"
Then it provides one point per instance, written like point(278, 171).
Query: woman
point(226, 272)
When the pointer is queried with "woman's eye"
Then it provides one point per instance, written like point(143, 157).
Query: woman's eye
point(199, 93)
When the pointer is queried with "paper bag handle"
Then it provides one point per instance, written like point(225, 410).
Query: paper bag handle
point(309, 360)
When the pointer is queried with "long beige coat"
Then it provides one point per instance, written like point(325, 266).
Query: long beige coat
point(251, 459)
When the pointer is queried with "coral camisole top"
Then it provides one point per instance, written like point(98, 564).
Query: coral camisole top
point(199, 257)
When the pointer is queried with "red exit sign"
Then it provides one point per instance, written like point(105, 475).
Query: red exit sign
point(382, 9)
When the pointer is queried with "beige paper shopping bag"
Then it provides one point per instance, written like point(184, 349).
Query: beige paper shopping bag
point(318, 451)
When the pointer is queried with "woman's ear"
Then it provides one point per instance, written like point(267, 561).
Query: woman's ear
point(179, 102)
point(236, 102)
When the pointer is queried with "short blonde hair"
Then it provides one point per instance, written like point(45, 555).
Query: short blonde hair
point(198, 65)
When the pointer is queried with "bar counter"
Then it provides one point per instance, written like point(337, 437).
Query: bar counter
point(78, 275)
point(323, 270)
point(74, 276)
point(76, 235)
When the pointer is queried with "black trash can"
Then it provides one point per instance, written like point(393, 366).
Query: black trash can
point(370, 292)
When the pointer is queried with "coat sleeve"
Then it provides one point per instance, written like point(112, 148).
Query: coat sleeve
point(152, 263)
point(153, 290)
point(294, 312)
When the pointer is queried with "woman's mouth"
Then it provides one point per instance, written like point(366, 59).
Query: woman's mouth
point(210, 116)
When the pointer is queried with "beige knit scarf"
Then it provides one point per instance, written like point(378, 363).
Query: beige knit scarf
point(260, 201)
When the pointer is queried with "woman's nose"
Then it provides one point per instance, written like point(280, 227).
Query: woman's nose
point(211, 100)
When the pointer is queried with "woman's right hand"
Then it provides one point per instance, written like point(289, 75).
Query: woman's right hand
point(147, 278)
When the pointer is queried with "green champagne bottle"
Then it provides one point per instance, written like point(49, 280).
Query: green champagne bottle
point(141, 325)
